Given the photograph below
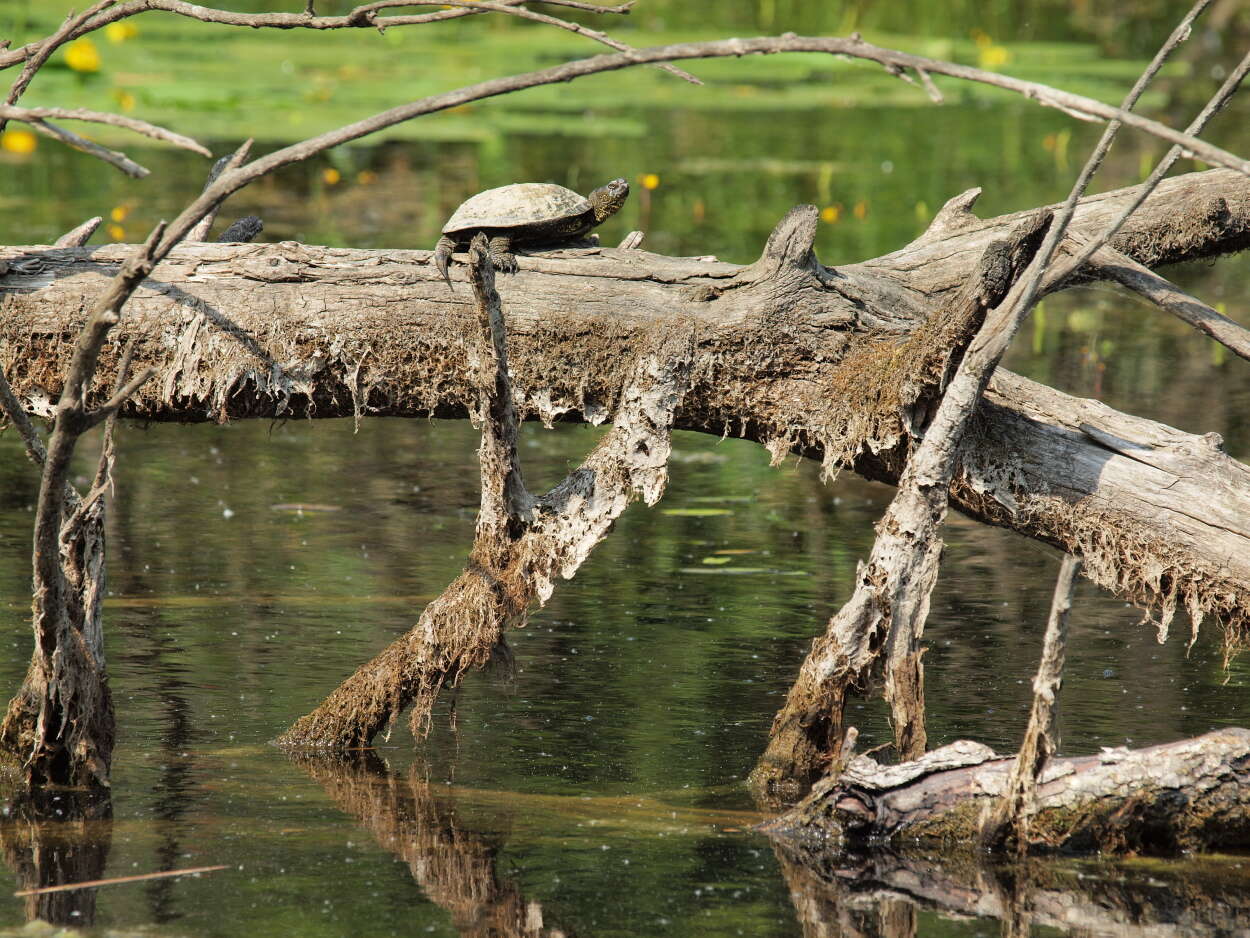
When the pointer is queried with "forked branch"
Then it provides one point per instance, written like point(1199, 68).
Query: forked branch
point(522, 543)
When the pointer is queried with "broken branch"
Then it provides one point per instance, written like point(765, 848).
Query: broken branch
point(1009, 821)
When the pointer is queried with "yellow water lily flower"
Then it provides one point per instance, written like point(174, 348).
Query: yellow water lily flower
point(650, 181)
point(121, 31)
point(331, 176)
point(82, 56)
point(18, 141)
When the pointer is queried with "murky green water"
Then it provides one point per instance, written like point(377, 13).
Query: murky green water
point(598, 791)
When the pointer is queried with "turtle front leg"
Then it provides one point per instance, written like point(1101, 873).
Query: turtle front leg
point(442, 257)
point(501, 254)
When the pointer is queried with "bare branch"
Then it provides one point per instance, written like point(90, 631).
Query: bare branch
point(1010, 819)
point(77, 237)
point(1166, 295)
point(120, 160)
point(10, 112)
point(99, 16)
point(577, 28)
point(991, 344)
point(12, 408)
point(43, 50)
point(110, 407)
point(1213, 107)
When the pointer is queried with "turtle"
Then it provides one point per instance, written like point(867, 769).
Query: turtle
point(526, 213)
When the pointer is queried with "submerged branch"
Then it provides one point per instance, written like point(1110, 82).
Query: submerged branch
point(522, 543)
point(1009, 821)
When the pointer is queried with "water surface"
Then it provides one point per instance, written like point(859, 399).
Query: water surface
point(599, 789)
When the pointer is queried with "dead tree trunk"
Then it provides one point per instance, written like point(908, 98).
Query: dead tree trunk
point(832, 363)
point(1166, 799)
point(792, 354)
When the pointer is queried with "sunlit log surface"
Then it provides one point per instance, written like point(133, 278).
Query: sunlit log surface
point(788, 352)
point(1178, 797)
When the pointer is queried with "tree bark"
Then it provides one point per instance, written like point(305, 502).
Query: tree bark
point(1167, 799)
point(795, 355)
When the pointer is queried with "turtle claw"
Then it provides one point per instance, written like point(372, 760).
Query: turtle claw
point(506, 263)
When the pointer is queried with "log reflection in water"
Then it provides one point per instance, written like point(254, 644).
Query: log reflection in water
point(55, 837)
point(864, 895)
point(454, 866)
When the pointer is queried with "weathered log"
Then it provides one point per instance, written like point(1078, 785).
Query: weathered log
point(788, 352)
point(1167, 799)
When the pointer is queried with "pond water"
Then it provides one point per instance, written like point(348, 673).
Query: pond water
point(599, 790)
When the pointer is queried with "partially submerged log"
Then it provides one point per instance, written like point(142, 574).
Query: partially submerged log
point(1178, 797)
point(800, 357)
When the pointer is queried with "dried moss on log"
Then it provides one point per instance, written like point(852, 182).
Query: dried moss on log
point(1177, 797)
point(788, 352)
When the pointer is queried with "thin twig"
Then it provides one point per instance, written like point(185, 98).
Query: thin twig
point(764, 45)
point(74, 25)
point(137, 878)
point(360, 17)
point(1213, 107)
point(1167, 296)
point(69, 138)
point(572, 27)
point(29, 114)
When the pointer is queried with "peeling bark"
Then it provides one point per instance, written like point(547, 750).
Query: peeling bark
point(798, 356)
point(1168, 799)
point(522, 543)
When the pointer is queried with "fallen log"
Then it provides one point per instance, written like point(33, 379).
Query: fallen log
point(800, 357)
point(1167, 799)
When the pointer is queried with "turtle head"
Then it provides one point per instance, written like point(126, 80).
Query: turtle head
point(606, 200)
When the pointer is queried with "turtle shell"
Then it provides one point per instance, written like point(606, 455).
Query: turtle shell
point(516, 206)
